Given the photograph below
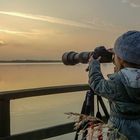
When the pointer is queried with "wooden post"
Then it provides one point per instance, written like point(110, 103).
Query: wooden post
point(4, 117)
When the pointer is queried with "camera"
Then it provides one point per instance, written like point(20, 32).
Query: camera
point(73, 58)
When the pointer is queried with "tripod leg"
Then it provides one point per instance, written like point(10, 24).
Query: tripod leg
point(87, 109)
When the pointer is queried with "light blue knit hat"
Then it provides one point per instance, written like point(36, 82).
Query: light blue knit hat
point(127, 47)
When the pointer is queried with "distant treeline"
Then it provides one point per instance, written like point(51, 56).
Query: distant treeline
point(30, 61)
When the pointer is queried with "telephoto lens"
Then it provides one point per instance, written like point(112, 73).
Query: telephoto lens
point(73, 58)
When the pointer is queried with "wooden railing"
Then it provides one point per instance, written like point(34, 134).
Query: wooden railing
point(7, 96)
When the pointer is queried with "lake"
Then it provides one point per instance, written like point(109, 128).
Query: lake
point(44, 111)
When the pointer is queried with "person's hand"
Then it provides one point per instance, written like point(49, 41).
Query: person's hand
point(115, 69)
point(110, 50)
point(90, 60)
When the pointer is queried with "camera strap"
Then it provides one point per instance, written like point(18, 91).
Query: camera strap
point(98, 114)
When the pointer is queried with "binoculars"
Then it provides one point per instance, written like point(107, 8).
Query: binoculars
point(73, 58)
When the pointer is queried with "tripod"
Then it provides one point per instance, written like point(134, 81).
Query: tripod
point(88, 109)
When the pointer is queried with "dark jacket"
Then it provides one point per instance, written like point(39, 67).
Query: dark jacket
point(122, 89)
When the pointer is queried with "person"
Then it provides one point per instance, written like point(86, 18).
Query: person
point(122, 88)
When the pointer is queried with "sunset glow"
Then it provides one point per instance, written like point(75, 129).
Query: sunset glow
point(46, 29)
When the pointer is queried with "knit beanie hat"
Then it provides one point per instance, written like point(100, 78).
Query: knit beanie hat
point(127, 47)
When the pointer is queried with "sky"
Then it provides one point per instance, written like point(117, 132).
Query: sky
point(45, 29)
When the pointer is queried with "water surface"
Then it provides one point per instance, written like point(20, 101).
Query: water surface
point(44, 111)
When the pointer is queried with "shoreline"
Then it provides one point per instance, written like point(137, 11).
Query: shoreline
point(30, 61)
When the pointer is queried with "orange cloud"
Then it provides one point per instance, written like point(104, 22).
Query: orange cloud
point(2, 43)
point(48, 19)
point(20, 33)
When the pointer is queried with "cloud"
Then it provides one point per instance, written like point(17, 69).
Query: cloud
point(96, 24)
point(11, 31)
point(125, 1)
point(134, 5)
point(19, 33)
point(47, 19)
point(104, 25)
point(131, 3)
point(2, 43)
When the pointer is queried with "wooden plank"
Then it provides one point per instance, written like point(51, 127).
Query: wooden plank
point(16, 94)
point(43, 133)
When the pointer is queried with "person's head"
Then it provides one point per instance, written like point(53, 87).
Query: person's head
point(127, 50)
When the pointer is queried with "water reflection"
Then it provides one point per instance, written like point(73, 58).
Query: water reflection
point(18, 76)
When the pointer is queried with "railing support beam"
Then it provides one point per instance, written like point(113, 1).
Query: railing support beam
point(4, 117)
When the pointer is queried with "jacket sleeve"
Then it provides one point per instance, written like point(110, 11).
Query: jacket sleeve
point(101, 86)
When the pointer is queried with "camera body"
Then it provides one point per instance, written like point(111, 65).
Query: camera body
point(73, 58)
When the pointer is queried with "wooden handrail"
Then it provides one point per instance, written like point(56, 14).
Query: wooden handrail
point(16, 94)
point(43, 133)
point(5, 98)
